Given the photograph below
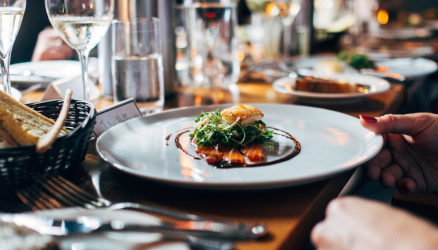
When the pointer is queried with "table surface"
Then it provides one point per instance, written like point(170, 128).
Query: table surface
point(289, 213)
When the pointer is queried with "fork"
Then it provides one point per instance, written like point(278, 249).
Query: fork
point(66, 194)
point(44, 201)
point(57, 192)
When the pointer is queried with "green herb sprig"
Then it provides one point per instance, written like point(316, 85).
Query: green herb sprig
point(211, 129)
point(356, 60)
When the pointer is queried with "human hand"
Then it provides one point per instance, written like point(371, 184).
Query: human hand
point(409, 157)
point(51, 47)
point(358, 224)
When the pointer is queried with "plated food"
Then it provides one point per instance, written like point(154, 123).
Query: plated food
point(21, 125)
point(356, 60)
point(365, 86)
point(235, 136)
point(320, 85)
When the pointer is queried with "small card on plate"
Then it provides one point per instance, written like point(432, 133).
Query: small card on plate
point(113, 115)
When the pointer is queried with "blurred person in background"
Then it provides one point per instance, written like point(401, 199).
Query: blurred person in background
point(409, 160)
point(36, 27)
point(50, 46)
point(37, 40)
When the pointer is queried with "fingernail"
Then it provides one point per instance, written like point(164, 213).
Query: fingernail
point(368, 119)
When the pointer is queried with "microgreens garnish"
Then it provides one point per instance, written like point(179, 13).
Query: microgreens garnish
point(211, 129)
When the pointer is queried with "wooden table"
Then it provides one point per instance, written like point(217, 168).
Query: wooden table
point(289, 213)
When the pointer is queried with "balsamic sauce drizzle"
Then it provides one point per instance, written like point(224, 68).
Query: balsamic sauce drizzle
point(234, 165)
point(167, 139)
point(179, 146)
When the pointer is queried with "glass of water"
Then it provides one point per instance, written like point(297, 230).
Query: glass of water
point(137, 64)
point(211, 42)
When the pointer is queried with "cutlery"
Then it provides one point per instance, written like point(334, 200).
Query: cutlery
point(95, 225)
point(31, 89)
point(29, 73)
point(57, 192)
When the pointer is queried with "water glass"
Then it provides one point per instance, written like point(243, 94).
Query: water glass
point(211, 42)
point(137, 63)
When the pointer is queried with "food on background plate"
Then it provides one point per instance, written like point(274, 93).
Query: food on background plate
point(24, 125)
point(316, 85)
point(357, 61)
point(328, 67)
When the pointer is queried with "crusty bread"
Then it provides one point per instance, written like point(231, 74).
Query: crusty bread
point(25, 125)
point(6, 139)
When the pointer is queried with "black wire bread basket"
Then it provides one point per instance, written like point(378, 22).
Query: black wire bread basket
point(19, 165)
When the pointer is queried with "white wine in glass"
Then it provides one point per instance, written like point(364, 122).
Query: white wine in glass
point(81, 24)
point(11, 14)
point(257, 6)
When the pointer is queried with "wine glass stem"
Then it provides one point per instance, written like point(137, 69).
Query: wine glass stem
point(5, 72)
point(83, 56)
point(287, 40)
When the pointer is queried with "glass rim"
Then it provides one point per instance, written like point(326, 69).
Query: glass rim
point(143, 20)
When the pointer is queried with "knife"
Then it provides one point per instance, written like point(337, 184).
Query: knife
point(94, 224)
point(91, 225)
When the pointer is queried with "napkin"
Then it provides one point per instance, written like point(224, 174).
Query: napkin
point(56, 89)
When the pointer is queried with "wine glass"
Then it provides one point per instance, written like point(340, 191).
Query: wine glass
point(11, 14)
point(81, 24)
point(288, 11)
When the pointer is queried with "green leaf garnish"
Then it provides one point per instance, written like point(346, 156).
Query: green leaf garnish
point(211, 129)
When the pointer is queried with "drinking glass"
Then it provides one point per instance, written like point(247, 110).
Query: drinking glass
point(81, 24)
point(211, 42)
point(288, 10)
point(259, 33)
point(137, 63)
point(11, 14)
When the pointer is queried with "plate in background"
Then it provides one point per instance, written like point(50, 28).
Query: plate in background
point(376, 86)
point(50, 70)
point(331, 143)
point(409, 67)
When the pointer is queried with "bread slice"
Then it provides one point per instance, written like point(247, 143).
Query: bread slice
point(6, 139)
point(25, 125)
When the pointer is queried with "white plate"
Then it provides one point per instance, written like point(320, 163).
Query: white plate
point(331, 143)
point(376, 86)
point(16, 94)
point(409, 67)
point(54, 69)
